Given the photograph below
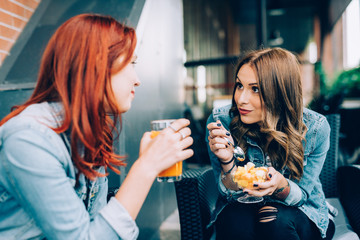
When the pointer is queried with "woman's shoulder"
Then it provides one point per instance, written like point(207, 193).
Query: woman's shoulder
point(36, 117)
point(318, 129)
point(221, 113)
point(222, 110)
point(32, 131)
point(313, 119)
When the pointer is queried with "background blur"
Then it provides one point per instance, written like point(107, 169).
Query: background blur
point(187, 51)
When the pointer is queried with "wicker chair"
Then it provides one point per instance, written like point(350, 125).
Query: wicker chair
point(197, 194)
point(349, 193)
point(330, 182)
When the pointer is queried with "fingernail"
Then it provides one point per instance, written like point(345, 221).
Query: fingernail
point(227, 134)
point(255, 185)
point(270, 175)
point(219, 124)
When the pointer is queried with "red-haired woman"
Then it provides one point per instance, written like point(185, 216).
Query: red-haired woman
point(55, 149)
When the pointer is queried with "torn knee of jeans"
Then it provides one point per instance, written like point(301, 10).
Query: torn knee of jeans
point(267, 214)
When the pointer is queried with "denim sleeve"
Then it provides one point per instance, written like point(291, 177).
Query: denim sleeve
point(114, 213)
point(228, 193)
point(319, 140)
point(36, 178)
point(295, 196)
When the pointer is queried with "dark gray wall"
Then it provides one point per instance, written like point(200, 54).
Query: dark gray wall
point(159, 26)
point(20, 68)
point(160, 67)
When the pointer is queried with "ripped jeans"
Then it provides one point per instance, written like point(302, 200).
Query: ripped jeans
point(269, 221)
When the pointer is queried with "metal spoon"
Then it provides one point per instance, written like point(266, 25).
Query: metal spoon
point(239, 154)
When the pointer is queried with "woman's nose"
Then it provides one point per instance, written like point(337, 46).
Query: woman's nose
point(243, 97)
point(137, 81)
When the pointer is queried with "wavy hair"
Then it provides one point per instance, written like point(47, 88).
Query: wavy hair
point(282, 130)
point(76, 70)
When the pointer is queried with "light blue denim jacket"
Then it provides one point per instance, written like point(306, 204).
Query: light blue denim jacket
point(306, 194)
point(38, 196)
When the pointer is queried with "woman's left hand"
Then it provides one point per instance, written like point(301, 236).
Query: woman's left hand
point(168, 147)
point(276, 185)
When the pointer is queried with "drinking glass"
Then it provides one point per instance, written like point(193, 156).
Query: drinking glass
point(173, 173)
point(246, 198)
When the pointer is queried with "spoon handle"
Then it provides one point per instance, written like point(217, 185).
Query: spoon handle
point(228, 140)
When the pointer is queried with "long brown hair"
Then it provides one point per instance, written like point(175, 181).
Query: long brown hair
point(76, 70)
point(282, 131)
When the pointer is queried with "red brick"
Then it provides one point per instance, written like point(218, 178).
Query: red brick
point(5, 45)
point(16, 9)
point(18, 23)
point(8, 32)
point(29, 3)
point(4, 4)
point(6, 18)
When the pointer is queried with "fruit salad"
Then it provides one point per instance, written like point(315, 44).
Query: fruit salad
point(246, 176)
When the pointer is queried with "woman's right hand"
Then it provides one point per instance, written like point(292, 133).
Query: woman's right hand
point(218, 143)
point(156, 154)
point(167, 148)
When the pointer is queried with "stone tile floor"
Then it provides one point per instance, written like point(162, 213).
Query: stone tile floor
point(169, 229)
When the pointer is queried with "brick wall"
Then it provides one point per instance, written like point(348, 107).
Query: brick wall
point(14, 14)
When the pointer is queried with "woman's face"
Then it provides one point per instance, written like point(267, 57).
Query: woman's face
point(247, 96)
point(123, 85)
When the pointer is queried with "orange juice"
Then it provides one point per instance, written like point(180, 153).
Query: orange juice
point(173, 171)
point(171, 174)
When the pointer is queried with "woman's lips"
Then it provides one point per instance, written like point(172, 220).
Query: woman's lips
point(244, 111)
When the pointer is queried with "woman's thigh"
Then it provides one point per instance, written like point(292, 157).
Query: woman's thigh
point(237, 221)
point(276, 221)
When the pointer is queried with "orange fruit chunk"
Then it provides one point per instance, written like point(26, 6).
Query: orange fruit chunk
point(247, 175)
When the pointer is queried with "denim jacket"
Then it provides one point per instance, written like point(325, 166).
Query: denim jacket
point(38, 195)
point(306, 194)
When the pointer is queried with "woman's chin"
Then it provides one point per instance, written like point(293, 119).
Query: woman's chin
point(249, 120)
point(246, 120)
point(124, 109)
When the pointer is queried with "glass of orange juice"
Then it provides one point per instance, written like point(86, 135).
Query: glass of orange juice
point(173, 173)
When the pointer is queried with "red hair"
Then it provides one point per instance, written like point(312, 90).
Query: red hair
point(76, 70)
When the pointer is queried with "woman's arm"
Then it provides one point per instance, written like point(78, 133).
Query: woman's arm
point(319, 143)
point(296, 192)
point(219, 151)
point(155, 155)
point(34, 172)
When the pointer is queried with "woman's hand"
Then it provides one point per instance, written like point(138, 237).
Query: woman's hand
point(218, 143)
point(276, 186)
point(156, 154)
point(167, 148)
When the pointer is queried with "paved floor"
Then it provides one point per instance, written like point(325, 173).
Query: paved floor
point(169, 229)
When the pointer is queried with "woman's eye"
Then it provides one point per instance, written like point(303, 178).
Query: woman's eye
point(255, 89)
point(238, 85)
point(134, 60)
